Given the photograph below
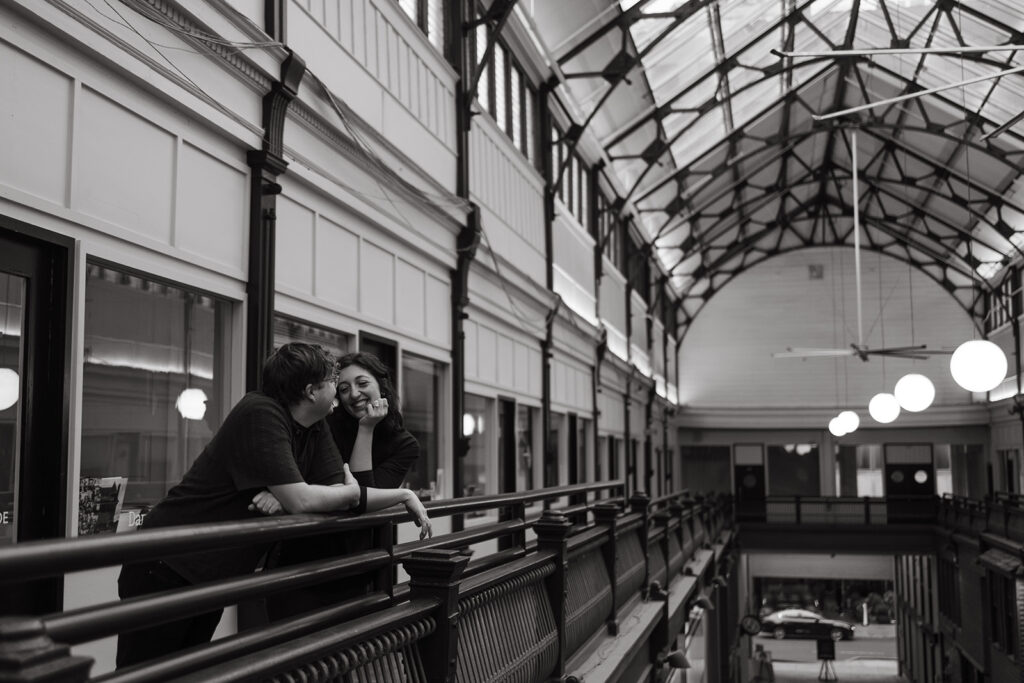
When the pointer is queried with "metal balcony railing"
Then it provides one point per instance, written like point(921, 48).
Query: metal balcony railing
point(519, 613)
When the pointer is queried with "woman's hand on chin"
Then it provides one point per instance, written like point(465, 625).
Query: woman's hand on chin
point(376, 410)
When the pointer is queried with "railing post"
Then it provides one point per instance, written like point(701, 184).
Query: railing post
point(552, 534)
point(512, 511)
point(675, 509)
point(661, 520)
point(797, 498)
point(28, 654)
point(867, 510)
point(607, 515)
point(436, 573)
point(638, 503)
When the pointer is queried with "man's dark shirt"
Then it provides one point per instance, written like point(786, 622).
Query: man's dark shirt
point(259, 445)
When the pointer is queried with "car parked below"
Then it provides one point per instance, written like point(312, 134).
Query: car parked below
point(803, 623)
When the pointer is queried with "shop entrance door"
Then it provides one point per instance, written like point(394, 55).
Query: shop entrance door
point(33, 401)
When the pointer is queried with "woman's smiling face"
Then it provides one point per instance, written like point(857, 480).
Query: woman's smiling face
point(356, 387)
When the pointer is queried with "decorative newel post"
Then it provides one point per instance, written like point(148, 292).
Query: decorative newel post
point(552, 535)
point(638, 504)
point(675, 509)
point(436, 573)
point(607, 515)
point(28, 654)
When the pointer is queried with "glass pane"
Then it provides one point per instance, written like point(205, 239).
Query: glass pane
point(476, 425)
point(793, 470)
point(528, 141)
point(500, 92)
point(12, 303)
point(482, 89)
point(552, 451)
point(409, 7)
point(435, 23)
point(421, 409)
point(516, 108)
point(524, 447)
point(152, 392)
point(290, 330)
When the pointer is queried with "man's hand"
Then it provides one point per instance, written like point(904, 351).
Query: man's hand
point(419, 514)
point(265, 503)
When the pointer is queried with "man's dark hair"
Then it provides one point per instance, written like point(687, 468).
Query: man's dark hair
point(370, 362)
point(292, 366)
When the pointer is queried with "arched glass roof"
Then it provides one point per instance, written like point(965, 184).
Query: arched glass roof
point(723, 142)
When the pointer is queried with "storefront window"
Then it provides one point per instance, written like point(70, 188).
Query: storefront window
point(477, 427)
point(12, 302)
point(859, 470)
point(421, 408)
point(524, 447)
point(793, 470)
point(153, 392)
point(287, 330)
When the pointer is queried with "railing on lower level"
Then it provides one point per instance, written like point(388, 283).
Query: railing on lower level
point(1001, 513)
point(520, 613)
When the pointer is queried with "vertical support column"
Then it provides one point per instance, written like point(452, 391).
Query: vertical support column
point(552, 534)
point(28, 654)
point(466, 245)
point(550, 449)
point(638, 503)
point(460, 17)
point(267, 164)
point(436, 573)
point(607, 515)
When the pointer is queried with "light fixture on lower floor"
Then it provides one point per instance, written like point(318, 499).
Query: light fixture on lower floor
point(914, 392)
point(10, 387)
point(978, 365)
point(191, 404)
point(883, 408)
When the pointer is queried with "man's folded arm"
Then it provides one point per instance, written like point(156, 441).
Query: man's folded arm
point(303, 497)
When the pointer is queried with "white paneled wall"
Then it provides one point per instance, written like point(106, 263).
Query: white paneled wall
point(500, 359)
point(335, 259)
point(406, 89)
point(125, 166)
point(726, 358)
point(510, 195)
point(638, 353)
point(613, 309)
point(571, 384)
point(613, 412)
point(574, 266)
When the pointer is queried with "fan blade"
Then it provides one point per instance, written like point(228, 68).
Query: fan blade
point(919, 351)
point(795, 352)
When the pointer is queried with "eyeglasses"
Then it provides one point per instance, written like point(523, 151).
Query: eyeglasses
point(334, 376)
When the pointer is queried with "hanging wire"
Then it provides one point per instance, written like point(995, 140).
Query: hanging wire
point(881, 313)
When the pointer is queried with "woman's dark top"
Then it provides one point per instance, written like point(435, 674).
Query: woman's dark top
point(392, 454)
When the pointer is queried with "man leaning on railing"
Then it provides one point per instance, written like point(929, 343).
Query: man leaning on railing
point(273, 453)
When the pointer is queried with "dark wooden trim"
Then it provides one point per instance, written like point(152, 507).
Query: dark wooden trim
point(46, 260)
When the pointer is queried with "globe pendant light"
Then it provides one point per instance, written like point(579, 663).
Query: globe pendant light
point(914, 392)
point(884, 408)
point(978, 365)
point(835, 427)
point(849, 421)
point(9, 386)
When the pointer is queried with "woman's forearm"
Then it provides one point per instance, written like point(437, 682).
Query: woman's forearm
point(378, 499)
point(362, 450)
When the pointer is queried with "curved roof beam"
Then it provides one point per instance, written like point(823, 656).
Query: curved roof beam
point(873, 183)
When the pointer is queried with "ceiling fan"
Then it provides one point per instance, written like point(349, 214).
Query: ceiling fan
point(859, 349)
